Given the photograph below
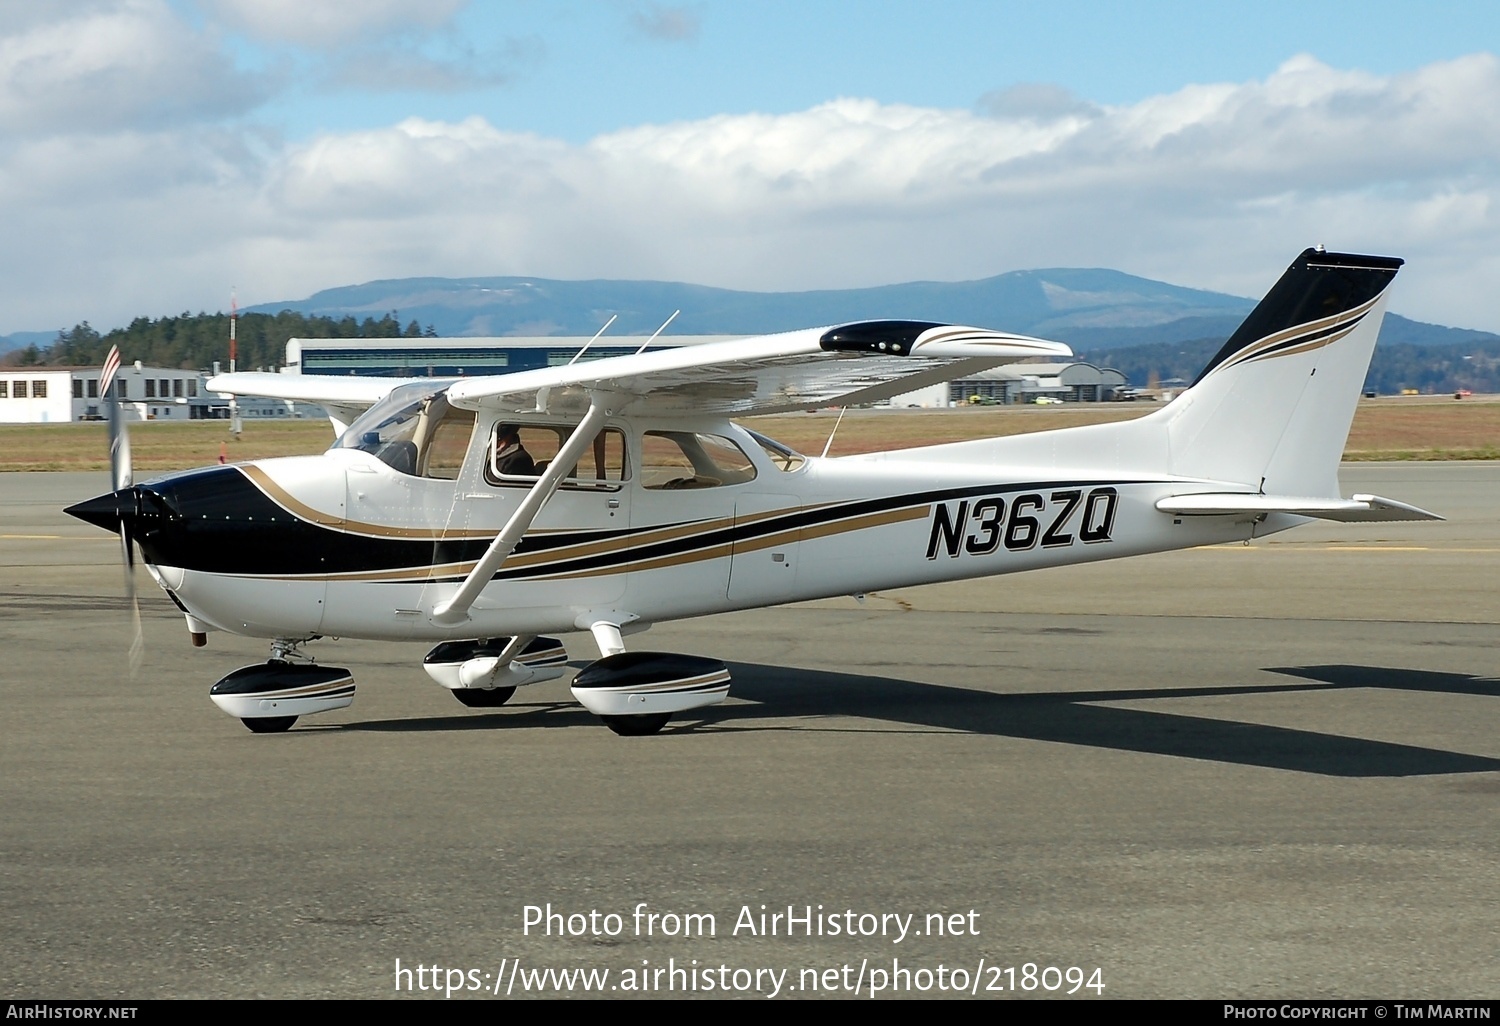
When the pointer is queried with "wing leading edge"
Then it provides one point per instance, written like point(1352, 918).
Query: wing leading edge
point(345, 398)
point(842, 366)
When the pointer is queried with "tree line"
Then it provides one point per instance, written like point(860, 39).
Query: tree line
point(196, 341)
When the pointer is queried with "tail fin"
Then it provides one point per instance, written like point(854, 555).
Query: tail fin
point(1272, 410)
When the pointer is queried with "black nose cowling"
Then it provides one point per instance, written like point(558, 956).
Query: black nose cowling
point(142, 510)
point(107, 511)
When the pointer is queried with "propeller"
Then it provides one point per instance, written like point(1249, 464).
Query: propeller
point(123, 479)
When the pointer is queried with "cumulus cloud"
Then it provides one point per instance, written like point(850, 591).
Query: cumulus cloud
point(1214, 185)
point(105, 66)
point(667, 23)
point(331, 22)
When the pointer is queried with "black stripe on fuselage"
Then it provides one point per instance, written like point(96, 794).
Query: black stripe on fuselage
point(222, 523)
point(741, 534)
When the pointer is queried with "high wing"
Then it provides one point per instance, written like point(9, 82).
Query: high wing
point(799, 370)
point(345, 398)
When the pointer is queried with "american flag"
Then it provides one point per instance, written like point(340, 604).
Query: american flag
point(111, 367)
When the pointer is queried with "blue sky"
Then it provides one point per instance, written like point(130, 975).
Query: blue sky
point(154, 153)
point(576, 69)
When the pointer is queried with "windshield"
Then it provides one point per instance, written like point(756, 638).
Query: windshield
point(390, 429)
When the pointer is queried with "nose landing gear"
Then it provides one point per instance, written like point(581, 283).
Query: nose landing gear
point(269, 697)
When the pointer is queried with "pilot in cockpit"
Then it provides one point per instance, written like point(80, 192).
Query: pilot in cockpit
point(511, 457)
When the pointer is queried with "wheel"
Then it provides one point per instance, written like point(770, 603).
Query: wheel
point(484, 698)
point(269, 724)
point(637, 726)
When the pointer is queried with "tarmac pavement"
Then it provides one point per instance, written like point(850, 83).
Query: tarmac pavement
point(1263, 771)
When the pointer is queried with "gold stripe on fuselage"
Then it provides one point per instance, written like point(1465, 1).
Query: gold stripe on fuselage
point(423, 574)
point(857, 523)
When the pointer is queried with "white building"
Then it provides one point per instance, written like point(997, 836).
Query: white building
point(37, 395)
point(57, 395)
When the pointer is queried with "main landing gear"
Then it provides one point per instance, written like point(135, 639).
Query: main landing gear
point(484, 673)
point(636, 693)
point(637, 725)
point(269, 724)
point(484, 698)
point(633, 693)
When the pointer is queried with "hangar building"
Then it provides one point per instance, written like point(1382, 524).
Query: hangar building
point(458, 357)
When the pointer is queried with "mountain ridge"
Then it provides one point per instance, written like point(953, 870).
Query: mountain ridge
point(1138, 325)
point(1090, 308)
point(1030, 301)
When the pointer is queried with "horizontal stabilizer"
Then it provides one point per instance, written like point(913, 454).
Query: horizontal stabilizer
point(1361, 508)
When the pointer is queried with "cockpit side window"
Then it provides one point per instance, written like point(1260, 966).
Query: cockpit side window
point(444, 440)
point(519, 453)
point(691, 459)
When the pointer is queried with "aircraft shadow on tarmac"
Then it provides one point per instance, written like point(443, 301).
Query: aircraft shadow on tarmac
point(786, 698)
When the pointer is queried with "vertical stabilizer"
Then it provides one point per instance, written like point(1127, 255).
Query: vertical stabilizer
point(1272, 409)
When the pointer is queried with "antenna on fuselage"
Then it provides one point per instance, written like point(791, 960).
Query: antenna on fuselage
point(829, 444)
point(593, 340)
point(659, 330)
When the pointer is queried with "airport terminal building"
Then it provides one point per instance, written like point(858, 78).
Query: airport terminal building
point(462, 357)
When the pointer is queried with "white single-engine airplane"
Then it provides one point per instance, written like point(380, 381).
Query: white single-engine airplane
point(484, 513)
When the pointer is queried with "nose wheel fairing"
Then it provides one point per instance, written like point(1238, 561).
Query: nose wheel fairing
point(281, 691)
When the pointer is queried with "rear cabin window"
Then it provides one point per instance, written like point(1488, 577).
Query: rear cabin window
point(520, 453)
point(690, 459)
point(782, 458)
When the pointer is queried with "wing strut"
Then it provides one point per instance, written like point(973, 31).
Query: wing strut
point(456, 610)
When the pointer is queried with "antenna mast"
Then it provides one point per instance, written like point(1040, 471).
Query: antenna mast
point(234, 317)
point(234, 353)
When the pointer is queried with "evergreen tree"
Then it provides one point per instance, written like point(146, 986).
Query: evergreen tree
point(196, 341)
